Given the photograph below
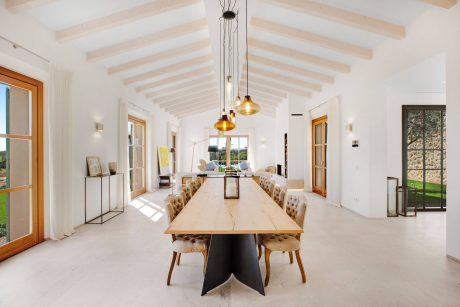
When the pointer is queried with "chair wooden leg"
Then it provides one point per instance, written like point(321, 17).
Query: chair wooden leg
point(173, 261)
point(291, 258)
point(299, 262)
point(178, 258)
point(205, 258)
point(259, 248)
point(267, 265)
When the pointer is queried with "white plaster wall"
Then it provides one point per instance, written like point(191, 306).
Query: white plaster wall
point(196, 128)
point(94, 97)
point(282, 127)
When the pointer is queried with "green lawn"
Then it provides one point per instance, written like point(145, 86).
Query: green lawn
point(2, 208)
point(432, 193)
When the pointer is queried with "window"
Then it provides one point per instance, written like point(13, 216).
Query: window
point(424, 154)
point(231, 150)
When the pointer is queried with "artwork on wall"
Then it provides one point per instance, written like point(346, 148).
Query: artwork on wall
point(163, 160)
point(93, 166)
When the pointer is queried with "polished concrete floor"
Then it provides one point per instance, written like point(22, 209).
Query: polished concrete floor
point(350, 261)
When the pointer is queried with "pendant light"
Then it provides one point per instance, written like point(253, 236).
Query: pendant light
point(225, 122)
point(247, 107)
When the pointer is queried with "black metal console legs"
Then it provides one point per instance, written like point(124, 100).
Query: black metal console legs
point(232, 254)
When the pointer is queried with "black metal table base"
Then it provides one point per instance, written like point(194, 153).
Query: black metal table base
point(232, 254)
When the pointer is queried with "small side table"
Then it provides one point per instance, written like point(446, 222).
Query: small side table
point(113, 212)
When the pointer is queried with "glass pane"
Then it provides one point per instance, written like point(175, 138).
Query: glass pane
point(433, 159)
point(15, 215)
point(222, 143)
point(234, 143)
point(444, 159)
point(444, 130)
point(415, 159)
point(15, 110)
point(243, 155)
point(213, 141)
point(131, 155)
point(15, 163)
point(130, 133)
point(243, 142)
point(433, 189)
point(131, 180)
point(433, 129)
point(325, 155)
point(415, 130)
point(318, 177)
point(139, 156)
point(415, 179)
point(325, 132)
point(318, 155)
point(318, 134)
point(139, 179)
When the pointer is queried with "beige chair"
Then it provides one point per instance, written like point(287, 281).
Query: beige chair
point(194, 186)
point(296, 207)
point(279, 194)
point(271, 188)
point(202, 165)
point(262, 181)
point(184, 243)
point(186, 194)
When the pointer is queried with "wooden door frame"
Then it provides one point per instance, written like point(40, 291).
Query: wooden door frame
point(144, 124)
point(320, 120)
point(37, 234)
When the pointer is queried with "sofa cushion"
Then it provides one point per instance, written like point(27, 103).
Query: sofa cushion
point(244, 165)
point(210, 166)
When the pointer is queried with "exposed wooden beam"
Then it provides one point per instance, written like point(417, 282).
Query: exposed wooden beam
point(150, 39)
point(264, 98)
point(291, 68)
point(312, 38)
point(446, 4)
point(342, 16)
point(299, 56)
point(185, 93)
point(283, 78)
point(177, 78)
point(175, 88)
point(267, 90)
point(208, 99)
point(196, 95)
point(20, 5)
point(262, 93)
point(275, 85)
point(168, 69)
point(136, 13)
point(160, 56)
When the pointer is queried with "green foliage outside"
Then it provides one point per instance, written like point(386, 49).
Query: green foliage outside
point(433, 192)
point(3, 210)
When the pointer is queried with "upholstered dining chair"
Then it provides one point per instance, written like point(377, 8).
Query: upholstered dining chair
point(186, 194)
point(296, 208)
point(279, 194)
point(194, 186)
point(271, 187)
point(184, 243)
point(262, 181)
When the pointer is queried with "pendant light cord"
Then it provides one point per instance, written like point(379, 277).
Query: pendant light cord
point(247, 56)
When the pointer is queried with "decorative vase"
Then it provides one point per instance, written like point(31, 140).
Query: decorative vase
point(113, 168)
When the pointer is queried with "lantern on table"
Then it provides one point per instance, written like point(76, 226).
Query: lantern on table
point(231, 187)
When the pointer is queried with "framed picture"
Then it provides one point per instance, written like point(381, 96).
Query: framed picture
point(163, 160)
point(94, 166)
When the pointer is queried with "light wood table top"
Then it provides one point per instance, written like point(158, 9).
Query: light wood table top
point(208, 212)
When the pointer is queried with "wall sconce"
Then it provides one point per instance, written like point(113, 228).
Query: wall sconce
point(99, 127)
point(263, 141)
point(349, 128)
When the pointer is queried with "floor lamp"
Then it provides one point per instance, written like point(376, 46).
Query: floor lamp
point(193, 152)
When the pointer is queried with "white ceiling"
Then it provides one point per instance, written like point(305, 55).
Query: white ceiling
point(58, 15)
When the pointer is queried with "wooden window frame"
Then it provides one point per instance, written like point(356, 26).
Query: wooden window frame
point(37, 234)
point(320, 120)
point(144, 124)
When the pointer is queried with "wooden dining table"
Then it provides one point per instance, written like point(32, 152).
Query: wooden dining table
point(232, 224)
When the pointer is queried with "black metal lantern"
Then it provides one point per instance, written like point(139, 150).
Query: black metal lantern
point(392, 196)
point(231, 187)
point(407, 201)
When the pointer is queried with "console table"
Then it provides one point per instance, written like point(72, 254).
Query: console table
point(112, 213)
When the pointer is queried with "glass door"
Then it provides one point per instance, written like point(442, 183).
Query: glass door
point(21, 199)
point(136, 146)
point(319, 148)
point(424, 154)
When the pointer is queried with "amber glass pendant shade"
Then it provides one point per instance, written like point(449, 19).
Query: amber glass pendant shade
point(247, 107)
point(224, 124)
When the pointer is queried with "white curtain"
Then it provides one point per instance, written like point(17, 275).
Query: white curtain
point(60, 154)
point(123, 147)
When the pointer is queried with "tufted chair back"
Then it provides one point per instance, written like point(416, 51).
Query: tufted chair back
point(262, 181)
point(186, 194)
point(279, 193)
point(194, 186)
point(174, 205)
point(271, 187)
point(296, 208)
